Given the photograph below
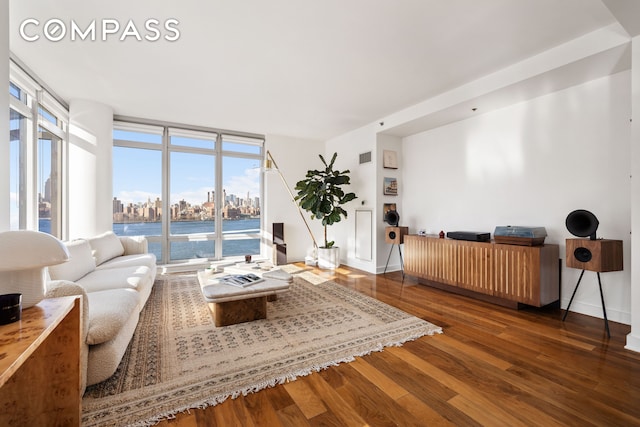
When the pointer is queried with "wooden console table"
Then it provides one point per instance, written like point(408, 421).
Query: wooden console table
point(40, 366)
point(509, 275)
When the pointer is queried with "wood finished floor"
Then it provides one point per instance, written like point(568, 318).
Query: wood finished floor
point(493, 366)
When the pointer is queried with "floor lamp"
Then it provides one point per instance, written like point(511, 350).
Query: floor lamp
point(271, 165)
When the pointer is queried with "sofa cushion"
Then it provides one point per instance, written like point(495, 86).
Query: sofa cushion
point(109, 312)
point(134, 244)
point(116, 278)
point(80, 262)
point(148, 260)
point(105, 247)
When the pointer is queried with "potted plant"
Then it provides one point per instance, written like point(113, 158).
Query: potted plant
point(321, 194)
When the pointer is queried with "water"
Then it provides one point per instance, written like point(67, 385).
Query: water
point(191, 249)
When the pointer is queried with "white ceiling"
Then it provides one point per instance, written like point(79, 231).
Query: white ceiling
point(302, 68)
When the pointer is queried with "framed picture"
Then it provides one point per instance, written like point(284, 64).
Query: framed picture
point(389, 159)
point(390, 186)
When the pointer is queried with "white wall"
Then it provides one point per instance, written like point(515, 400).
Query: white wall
point(531, 164)
point(5, 199)
point(293, 157)
point(633, 339)
point(363, 183)
point(90, 168)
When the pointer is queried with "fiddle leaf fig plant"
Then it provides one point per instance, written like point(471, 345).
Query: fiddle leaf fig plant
point(321, 194)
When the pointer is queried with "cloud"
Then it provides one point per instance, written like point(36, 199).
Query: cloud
point(194, 197)
point(136, 196)
point(241, 184)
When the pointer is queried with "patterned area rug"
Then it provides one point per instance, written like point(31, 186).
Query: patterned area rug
point(179, 360)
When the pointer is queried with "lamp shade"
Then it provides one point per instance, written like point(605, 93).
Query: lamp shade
point(23, 249)
point(23, 258)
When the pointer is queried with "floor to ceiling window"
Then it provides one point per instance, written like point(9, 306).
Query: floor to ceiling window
point(241, 193)
point(192, 183)
point(38, 132)
point(137, 183)
point(195, 193)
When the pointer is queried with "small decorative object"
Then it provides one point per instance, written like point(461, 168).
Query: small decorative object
point(10, 308)
point(422, 232)
point(441, 234)
point(390, 186)
point(389, 159)
point(247, 258)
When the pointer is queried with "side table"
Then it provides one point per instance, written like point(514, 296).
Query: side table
point(40, 365)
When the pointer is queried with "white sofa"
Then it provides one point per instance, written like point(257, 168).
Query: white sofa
point(115, 276)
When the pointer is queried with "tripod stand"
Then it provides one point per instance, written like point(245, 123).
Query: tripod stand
point(604, 310)
point(389, 257)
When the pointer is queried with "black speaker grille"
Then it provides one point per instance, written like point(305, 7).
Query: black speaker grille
point(582, 254)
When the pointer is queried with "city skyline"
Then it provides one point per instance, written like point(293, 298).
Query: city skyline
point(234, 207)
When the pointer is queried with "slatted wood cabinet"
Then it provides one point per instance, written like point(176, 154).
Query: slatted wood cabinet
point(507, 274)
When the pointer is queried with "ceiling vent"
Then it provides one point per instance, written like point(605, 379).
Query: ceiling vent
point(365, 157)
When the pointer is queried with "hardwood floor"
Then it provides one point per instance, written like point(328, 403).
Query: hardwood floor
point(492, 366)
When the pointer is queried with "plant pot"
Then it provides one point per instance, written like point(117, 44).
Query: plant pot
point(329, 257)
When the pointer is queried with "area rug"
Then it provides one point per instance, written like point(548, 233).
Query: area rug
point(178, 359)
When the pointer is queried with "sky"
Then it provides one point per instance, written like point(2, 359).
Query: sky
point(138, 176)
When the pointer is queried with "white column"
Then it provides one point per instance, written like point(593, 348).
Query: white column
point(5, 199)
point(633, 339)
point(90, 167)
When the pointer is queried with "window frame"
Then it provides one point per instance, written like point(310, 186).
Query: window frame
point(34, 98)
point(197, 132)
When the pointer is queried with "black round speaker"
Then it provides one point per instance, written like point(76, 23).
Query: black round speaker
point(392, 235)
point(582, 223)
point(392, 218)
point(582, 254)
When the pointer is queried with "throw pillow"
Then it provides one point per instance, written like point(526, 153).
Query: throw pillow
point(106, 246)
point(80, 262)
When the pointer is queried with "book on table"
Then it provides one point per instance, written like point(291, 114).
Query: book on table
point(240, 280)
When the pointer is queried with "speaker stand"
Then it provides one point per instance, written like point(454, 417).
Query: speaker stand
point(389, 257)
point(604, 310)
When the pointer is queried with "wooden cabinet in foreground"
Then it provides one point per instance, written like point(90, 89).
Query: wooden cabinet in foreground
point(40, 365)
point(509, 275)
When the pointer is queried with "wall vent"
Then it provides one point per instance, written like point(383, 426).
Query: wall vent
point(365, 157)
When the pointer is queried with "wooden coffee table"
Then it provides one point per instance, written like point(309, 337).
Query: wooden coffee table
point(230, 304)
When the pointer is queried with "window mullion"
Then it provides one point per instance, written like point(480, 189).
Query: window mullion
point(31, 170)
point(166, 199)
point(219, 200)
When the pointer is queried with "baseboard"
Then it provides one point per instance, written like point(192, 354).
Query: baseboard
point(596, 311)
point(390, 268)
point(633, 342)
